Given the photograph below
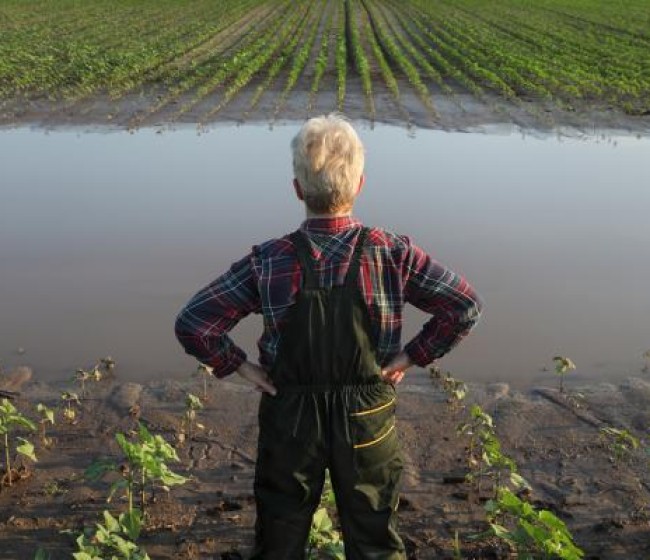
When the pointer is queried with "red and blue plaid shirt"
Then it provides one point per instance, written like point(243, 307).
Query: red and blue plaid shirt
point(393, 271)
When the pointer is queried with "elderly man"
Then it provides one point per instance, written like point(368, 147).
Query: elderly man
point(331, 294)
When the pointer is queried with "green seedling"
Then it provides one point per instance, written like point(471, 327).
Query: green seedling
point(323, 537)
point(204, 372)
point(484, 456)
point(114, 539)
point(145, 462)
point(562, 367)
point(42, 554)
point(9, 419)
point(531, 533)
point(47, 416)
point(621, 443)
point(192, 405)
point(71, 401)
point(455, 389)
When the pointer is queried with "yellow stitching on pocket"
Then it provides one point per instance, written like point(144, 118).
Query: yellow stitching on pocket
point(376, 440)
point(373, 410)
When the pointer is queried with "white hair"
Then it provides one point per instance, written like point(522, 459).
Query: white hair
point(328, 161)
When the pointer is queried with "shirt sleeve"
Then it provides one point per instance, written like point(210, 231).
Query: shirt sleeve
point(453, 303)
point(203, 324)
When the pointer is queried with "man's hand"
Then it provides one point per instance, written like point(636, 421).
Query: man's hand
point(396, 368)
point(257, 376)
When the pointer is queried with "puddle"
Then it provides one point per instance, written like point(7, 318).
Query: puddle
point(105, 235)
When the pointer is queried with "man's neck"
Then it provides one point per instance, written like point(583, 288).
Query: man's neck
point(310, 215)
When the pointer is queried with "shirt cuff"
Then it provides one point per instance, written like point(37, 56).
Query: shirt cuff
point(418, 353)
point(228, 365)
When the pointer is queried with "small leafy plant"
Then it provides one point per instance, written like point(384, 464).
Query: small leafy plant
point(455, 389)
point(621, 443)
point(96, 373)
point(192, 405)
point(563, 365)
point(531, 533)
point(145, 463)
point(484, 455)
point(112, 538)
point(205, 373)
point(70, 403)
point(323, 537)
point(47, 416)
point(9, 419)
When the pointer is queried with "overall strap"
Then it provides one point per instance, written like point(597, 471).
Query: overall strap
point(355, 261)
point(305, 258)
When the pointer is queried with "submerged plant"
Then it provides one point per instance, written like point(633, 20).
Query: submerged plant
point(9, 419)
point(562, 366)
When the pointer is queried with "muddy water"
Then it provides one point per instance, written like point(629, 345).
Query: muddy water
point(103, 237)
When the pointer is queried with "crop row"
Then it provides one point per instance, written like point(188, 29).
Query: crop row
point(184, 53)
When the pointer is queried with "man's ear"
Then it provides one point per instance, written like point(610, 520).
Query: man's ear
point(298, 189)
point(362, 182)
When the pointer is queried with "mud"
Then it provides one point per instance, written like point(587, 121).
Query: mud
point(552, 436)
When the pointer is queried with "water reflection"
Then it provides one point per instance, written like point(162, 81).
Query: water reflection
point(103, 236)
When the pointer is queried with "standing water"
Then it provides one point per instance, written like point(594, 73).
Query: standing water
point(105, 235)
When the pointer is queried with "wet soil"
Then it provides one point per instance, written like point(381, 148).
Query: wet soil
point(460, 112)
point(553, 437)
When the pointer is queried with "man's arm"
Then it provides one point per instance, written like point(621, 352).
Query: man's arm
point(453, 303)
point(202, 325)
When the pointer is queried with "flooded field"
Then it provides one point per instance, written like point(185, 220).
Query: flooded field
point(104, 236)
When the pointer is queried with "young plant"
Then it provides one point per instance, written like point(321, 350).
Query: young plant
point(71, 401)
point(562, 366)
point(113, 537)
point(484, 456)
point(621, 443)
point(192, 405)
point(204, 372)
point(455, 389)
point(9, 419)
point(531, 533)
point(145, 462)
point(47, 415)
point(323, 537)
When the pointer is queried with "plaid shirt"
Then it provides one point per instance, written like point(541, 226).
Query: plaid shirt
point(393, 271)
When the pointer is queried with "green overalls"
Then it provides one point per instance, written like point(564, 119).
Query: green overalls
point(334, 411)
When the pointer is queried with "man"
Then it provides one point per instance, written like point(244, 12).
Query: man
point(331, 295)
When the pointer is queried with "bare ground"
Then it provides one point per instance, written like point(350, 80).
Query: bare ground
point(463, 112)
point(552, 436)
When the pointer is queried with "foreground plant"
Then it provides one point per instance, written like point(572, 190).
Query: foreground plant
point(145, 463)
point(10, 418)
point(323, 537)
point(621, 443)
point(563, 365)
point(531, 533)
point(111, 538)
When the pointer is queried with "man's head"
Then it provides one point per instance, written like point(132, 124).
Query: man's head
point(328, 163)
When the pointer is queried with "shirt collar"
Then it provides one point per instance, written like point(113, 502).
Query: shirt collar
point(330, 225)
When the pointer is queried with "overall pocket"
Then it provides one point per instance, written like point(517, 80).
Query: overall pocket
point(373, 431)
